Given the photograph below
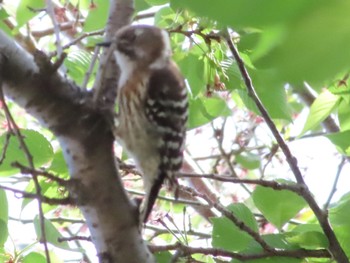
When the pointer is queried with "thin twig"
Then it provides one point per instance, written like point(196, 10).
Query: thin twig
point(217, 252)
point(5, 146)
point(43, 199)
point(334, 245)
point(29, 158)
point(299, 189)
point(74, 238)
point(292, 161)
point(335, 183)
point(51, 12)
point(174, 200)
point(160, 231)
point(28, 170)
point(240, 224)
point(91, 67)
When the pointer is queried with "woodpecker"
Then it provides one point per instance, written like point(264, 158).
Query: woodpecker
point(152, 107)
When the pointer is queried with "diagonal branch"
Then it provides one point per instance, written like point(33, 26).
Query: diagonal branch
point(29, 158)
point(334, 245)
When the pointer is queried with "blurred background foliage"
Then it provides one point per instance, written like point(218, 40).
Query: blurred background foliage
point(297, 54)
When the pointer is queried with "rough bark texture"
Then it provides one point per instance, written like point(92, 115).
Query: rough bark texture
point(84, 133)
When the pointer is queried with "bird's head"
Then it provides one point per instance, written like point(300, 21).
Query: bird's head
point(148, 46)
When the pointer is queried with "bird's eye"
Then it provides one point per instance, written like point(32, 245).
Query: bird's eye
point(130, 37)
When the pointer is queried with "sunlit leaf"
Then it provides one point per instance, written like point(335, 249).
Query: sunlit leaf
point(34, 257)
point(278, 206)
point(4, 213)
point(248, 160)
point(97, 16)
point(227, 235)
point(39, 148)
point(26, 10)
point(344, 115)
point(309, 240)
point(320, 109)
point(52, 234)
point(3, 232)
point(204, 110)
point(341, 140)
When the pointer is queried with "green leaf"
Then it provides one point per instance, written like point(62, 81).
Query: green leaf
point(34, 257)
point(163, 256)
point(3, 232)
point(342, 233)
point(341, 140)
point(3, 13)
point(248, 160)
point(227, 235)
point(59, 165)
point(4, 256)
point(97, 16)
point(193, 70)
point(278, 206)
point(246, 13)
point(157, 2)
point(272, 260)
point(52, 234)
point(39, 147)
point(4, 213)
point(344, 115)
point(24, 12)
point(309, 240)
point(164, 17)
point(278, 241)
point(204, 110)
point(141, 5)
point(320, 109)
point(339, 214)
point(272, 94)
point(297, 58)
point(78, 63)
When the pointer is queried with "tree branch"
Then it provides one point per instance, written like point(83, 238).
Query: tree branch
point(85, 136)
point(334, 246)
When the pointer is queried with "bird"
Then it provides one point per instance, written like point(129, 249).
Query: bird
point(152, 103)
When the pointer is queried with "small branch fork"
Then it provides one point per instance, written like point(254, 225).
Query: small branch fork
point(16, 131)
point(322, 216)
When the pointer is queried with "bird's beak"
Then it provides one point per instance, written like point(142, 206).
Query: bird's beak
point(104, 44)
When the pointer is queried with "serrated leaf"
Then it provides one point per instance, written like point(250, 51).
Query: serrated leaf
point(78, 63)
point(278, 206)
point(39, 147)
point(320, 109)
point(227, 235)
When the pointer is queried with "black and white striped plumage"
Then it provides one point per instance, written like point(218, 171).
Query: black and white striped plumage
point(152, 101)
